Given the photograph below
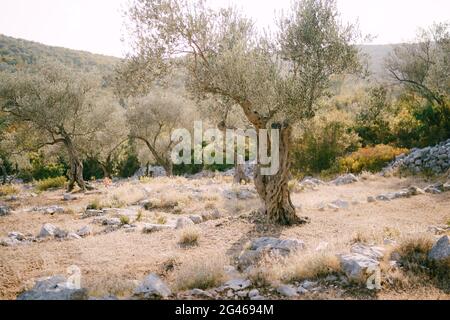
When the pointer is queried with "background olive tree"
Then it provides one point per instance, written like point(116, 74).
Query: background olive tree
point(151, 120)
point(58, 105)
point(276, 78)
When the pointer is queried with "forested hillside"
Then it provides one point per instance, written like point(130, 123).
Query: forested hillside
point(17, 52)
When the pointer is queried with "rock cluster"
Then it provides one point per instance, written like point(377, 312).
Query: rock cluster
point(361, 259)
point(345, 179)
point(51, 210)
point(311, 183)
point(152, 288)
point(265, 245)
point(436, 188)
point(435, 159)
point(16, 238)
point(54, 288)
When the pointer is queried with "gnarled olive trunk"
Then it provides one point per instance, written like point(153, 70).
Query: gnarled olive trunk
point(274, 190)
point(76, 166)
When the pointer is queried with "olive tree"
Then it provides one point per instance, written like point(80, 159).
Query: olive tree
point(106, 144)
point(424, 66)
point(58, 105)
point(276, 78)
point(151, 120)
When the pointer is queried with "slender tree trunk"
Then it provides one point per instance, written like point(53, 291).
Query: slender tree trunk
point(274, 190)
point(106, 172)
point(168, 166)
point(76, 166)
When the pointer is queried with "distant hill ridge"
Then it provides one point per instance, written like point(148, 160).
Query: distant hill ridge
point(15, 52)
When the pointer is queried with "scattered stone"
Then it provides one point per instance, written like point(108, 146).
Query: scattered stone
point(47, 230)
point(200, 293)
point(150, 228)
point(60, 234)
point(196, 219)
point(308, 284)
point(69, 197)
point(441, 250)
point(183, 222)
point(53, 210)
point(446, 186)
point(287, 291)
point(283, 247)
point(73, 236)
point(333, 207)
point(238, 284)
point(16, 235)
point(4, 211)
point(382, 197)
point(85, 231)
point(371, 200)
point(415, 191)
point(301, 290)
point(111, 222)
point(92, 213)
point(242, 294)
point(432, 190)
point(54, 288)
point(253, 293)
point(152, 288)
point(341, 204)
point(257, 298)
point(263, 245)
point(346, 179)
point(310, 182)
point(372, 252)
point(355, 265)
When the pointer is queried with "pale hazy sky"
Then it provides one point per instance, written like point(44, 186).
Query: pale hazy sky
point(96, 25)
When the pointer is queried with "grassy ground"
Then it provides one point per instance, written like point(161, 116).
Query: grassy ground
point(115, 262)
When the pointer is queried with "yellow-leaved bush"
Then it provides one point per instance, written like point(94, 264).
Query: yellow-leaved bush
point(371, 159)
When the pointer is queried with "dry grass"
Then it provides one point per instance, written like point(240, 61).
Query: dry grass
point(8, 190)
point(312, 265)
point(124, 257)
point(201, 273)
point(189, 237)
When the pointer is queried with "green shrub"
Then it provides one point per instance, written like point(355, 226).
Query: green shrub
point(322, 142)
point(50, 183)
point(41, 170)
point(129, 166)
point(372, 120)
point(371, 159)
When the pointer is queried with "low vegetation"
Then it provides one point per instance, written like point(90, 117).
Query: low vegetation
point(51, 183)
point(371, 159)
point(201, 273)
point(189, 237)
